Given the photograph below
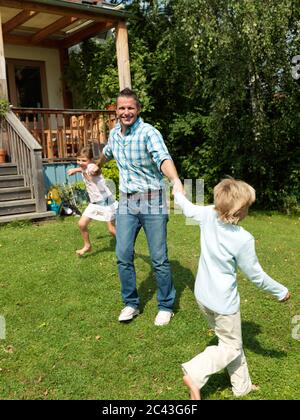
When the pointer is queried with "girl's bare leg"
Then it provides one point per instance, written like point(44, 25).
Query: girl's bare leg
point(111, 227)
point(83, 226)
point(194, 391)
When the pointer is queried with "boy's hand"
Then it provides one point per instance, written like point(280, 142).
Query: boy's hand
point(177, 186)
point(287, 296)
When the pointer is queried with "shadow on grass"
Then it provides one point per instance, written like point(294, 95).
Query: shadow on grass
point(109, 248)
point(216, 383)
point(250, 330)
point(182, 278)
point(220, 381)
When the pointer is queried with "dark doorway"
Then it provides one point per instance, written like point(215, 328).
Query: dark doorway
point(27, 83)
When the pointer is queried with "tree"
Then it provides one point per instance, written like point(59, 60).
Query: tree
point(215, 76)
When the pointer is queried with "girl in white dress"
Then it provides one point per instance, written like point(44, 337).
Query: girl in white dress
point(102, 205)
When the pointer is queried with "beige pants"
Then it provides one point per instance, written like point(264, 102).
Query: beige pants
point(227, 354)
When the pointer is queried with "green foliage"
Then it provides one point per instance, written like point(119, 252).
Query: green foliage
point(243, 51)
point(4, 107)
point(110, 172)
point(216, 78)
point(92, 75)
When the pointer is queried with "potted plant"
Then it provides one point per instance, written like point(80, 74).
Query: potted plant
point(4, 107)
point(111, 107)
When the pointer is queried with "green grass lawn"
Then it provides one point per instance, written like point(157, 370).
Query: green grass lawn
point(63, 340)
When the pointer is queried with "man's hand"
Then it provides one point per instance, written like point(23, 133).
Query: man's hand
point(287, 296)
point(92, 169)
point(101, 161)
point(168, 169)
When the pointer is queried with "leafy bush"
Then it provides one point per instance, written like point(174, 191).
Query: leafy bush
point(289, 197)
point(110, 172)
point(4, 107)
point(218, 84)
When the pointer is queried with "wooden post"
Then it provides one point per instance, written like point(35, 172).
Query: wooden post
point(64, 61)
point(38, 181)
point(123, 56)
point(3, 81)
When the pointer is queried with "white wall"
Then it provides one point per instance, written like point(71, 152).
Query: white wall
point(52, 63)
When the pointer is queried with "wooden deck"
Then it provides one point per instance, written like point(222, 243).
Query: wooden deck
point(62, 132)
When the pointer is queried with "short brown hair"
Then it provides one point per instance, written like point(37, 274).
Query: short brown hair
point(128, 93)
point(230, 197)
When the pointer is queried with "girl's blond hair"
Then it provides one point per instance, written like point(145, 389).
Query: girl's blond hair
point(232, 197)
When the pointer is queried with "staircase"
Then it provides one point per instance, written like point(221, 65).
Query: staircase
point(16, 202)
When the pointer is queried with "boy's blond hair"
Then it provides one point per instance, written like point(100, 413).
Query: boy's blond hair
point(232, 197)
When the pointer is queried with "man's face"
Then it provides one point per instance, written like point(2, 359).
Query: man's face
point(127, 111)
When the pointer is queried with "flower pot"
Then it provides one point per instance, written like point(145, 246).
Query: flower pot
point(111, 107)
point(2, 155)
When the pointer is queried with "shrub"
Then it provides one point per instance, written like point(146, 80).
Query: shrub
point(110, 172)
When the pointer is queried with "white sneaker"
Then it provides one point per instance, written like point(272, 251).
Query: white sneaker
point(163, 318)
point(128, 313)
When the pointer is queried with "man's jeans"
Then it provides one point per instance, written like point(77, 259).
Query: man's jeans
point(147, 210)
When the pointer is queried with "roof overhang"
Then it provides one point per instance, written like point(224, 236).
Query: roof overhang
point(55, 23)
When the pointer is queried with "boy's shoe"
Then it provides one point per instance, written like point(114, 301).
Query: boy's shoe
point(128, 313)
point(163, 318)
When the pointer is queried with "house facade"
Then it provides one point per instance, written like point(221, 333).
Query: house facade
point(42, 129)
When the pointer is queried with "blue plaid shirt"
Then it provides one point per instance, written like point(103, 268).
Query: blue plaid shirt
point(139, 155)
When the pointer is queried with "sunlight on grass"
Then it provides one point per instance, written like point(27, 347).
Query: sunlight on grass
point(63, 340)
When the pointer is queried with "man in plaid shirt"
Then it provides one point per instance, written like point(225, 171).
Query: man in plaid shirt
point(143, 161)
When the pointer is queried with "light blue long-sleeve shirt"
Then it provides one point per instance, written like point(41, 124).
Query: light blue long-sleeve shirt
point(224, 247)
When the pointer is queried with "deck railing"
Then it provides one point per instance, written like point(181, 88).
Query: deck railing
point(26, 153)
point(62, 132)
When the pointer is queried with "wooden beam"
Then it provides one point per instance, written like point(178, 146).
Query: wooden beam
point(123, 56)
point(86, 33)
point(52, 28)
point(68, 42)
point(3, 80)
point(21, 40)
point(18, 20)
point(59, 10)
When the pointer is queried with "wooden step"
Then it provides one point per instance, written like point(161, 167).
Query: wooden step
point(8, 181)
point(14, 193)
point(17, 207)
point(47, 215)
point(8, 169)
